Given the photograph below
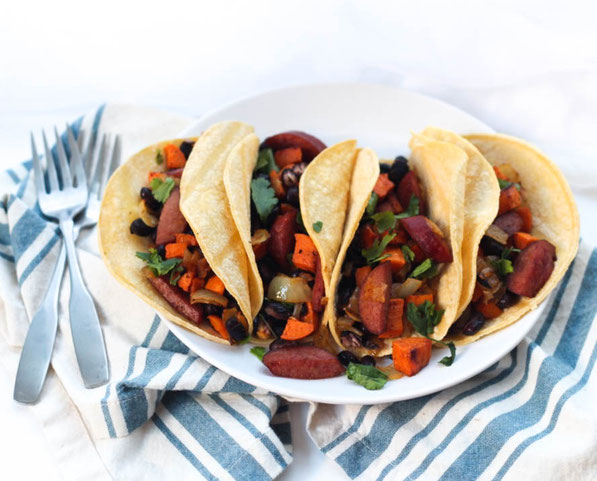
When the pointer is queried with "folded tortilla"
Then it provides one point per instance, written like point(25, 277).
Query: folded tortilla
point(204, 205)
point(555, 218)
point(440, 167)
point(323, 196)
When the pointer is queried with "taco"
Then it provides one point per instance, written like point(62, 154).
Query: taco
point(529, 245)
point(166, 233)
point(396, 283)
point(289, 197)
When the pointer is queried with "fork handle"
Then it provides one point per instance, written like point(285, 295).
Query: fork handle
point(85, 327)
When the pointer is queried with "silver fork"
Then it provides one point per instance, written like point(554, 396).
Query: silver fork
point(36, 354)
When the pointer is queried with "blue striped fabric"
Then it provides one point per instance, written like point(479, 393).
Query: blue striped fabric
point(195, 421)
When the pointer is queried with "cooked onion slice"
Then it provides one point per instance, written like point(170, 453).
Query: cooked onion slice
point(289, 289)
point(407, 288)
point(205, 296)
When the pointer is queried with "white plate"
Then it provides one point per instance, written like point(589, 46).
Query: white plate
point(381, 118)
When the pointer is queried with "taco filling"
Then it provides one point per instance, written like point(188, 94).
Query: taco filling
point(286, 256)
point(175, 264)
point(387, 289)
point(511, 262)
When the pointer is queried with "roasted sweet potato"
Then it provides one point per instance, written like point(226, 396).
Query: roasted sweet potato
point(288, 156)
point(361, 273)
point(374, 298)
point(174, 157)
point(394, 326)
point(509, 199)
point(305, 253)
point(521, 240)
point(383, 186)
point(411, 354)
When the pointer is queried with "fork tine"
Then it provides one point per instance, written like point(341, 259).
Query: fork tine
point(53, 178)
point(99, 164)
point(39, 173)
point(75, 161)
point(67, 180)
point(114, 163)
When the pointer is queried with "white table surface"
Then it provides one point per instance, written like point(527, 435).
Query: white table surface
point(528, 70)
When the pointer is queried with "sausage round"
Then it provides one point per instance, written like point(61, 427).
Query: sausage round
point(302, 362)
point(318, 288)
point(171, 221)
point(532, 268)
point(510, 222)
point(178, 299)
point(310, 146)
point(409, 186)
point(374, 298)
point(281, 241)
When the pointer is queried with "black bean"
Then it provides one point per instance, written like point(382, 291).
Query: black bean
point(140, 228)
point(345, 289)
point(292, 196)
point(212, 310)
point(507, 300)
point(359, 326)
point(346, 357)
point(350, 339)
point(368, 361)
point(267, 269)
point(186, 146)
point(289, 178)
point(398, 169)
point(476, 322)
point(276, 310)
point(161, 250)
point(280, 343)
point(150, 201)
point(491, 247)
point(369, 342)
point(236, 329)
point(384, 167)
point(456, 328)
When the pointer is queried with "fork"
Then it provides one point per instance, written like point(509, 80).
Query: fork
point(87, 337)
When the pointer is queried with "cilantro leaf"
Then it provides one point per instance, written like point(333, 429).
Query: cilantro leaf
point(175, 275)
point(503, 266)
point(263, 197)
point(412, 210)
point(372, 204)
point(448, 360)
point(154, 261)
point(504, 184)
point(425, 269)
point(317, 226)
point(258, 352)
point(161, 189)
point(375, 253)
point(424, 318)
point(408, 253)
point(159, 158)
point(266, 162)
point(367, 376)
point(384, 220)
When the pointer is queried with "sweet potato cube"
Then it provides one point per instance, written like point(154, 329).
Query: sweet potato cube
point(411, 354)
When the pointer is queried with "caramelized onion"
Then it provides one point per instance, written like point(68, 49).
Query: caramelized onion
point(289, 289)
point(407, 288)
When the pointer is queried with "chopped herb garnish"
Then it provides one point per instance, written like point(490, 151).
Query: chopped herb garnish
point(317, 226)
point(266, 162)
point(503, 266)
point(384, 221)
point(412, 210)
point(258, 352)
point(154, 261)
point(159, 158)
point(372, 204)
point(175, 275)
point(375, 253)
point(425, 269)
point(504, 184)
point(424, 318)
point(263, 197)
point(161, 189)
point(408, 253)
point(367, 376)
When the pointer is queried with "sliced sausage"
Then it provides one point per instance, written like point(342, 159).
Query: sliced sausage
point(310, 146)
point(510, 222)
point(318, 288)
point(177, 298)
point(374, 298)
point(532, 268)
point(302, 362)
point(409, 186)
point(281, 241)
point(171, 221)
point(428, 237)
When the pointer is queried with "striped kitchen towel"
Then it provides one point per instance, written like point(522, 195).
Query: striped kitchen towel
point(170, 415)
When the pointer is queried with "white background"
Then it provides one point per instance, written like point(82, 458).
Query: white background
point(525, 68)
